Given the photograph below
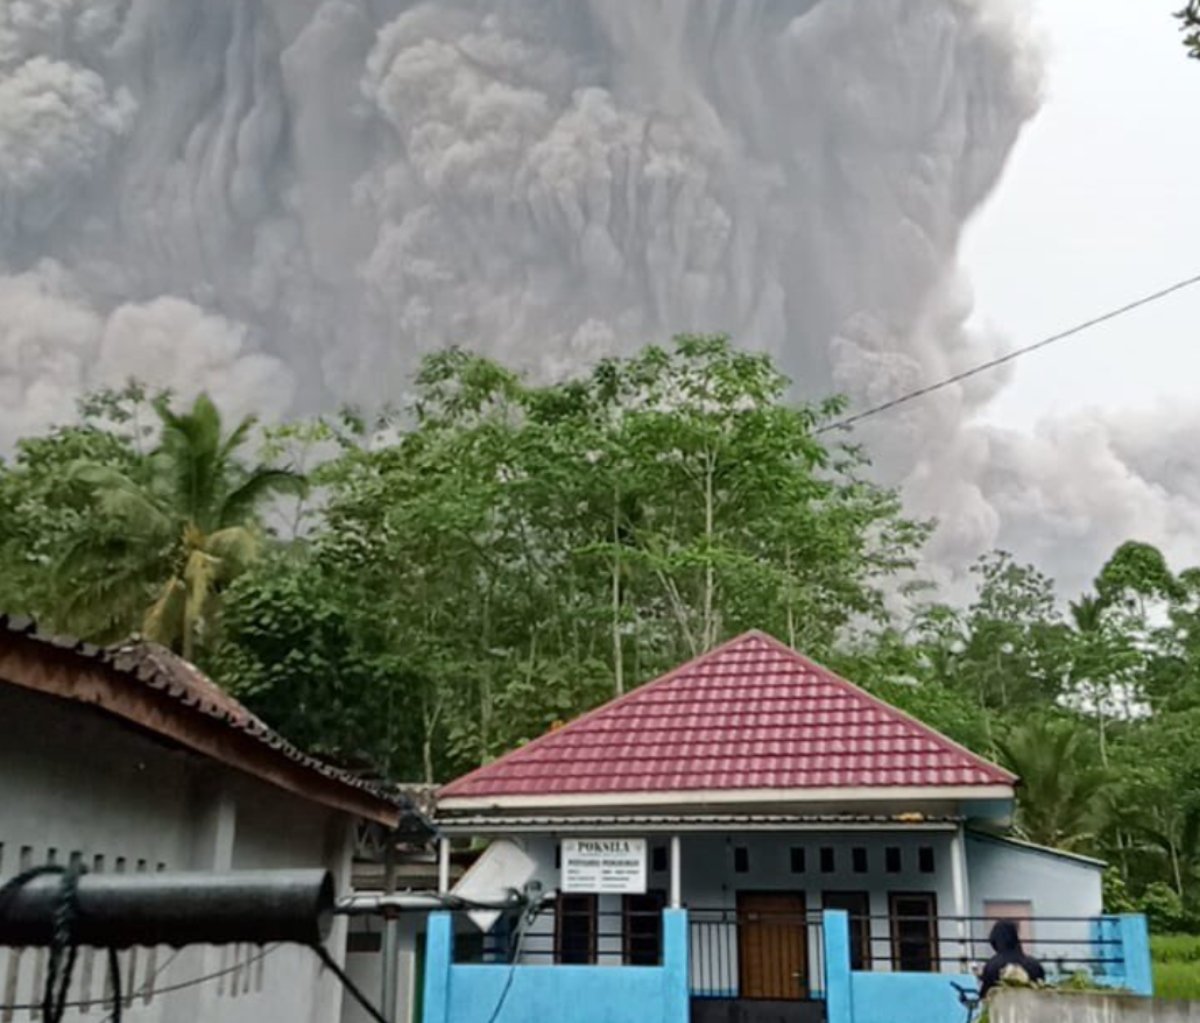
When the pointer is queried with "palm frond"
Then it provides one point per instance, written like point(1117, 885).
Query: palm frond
point(237, 437)
point(241, 506)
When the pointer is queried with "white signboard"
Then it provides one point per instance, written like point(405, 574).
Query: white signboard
point(604, 865)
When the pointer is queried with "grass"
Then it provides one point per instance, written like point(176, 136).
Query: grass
point(1176, 961)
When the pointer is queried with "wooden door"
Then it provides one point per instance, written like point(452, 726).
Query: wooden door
point(772, 946)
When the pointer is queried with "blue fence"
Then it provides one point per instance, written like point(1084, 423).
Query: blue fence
point(457, 992)
point(854, 996)
point(519, 993)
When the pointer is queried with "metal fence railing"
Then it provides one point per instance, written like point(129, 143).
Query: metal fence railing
point(570, 933)
point(763, 955)
point(923, 944)
point(759, 954)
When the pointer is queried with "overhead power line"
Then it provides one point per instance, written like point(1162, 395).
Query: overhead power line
point(1015, 354)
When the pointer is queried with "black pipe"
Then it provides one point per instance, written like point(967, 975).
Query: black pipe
point(257, 907)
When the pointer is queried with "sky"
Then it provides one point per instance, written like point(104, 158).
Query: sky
point(1098, 206)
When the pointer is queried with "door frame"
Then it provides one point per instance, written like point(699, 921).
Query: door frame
point(592, 916)
point(805, 989)
point(935, 954)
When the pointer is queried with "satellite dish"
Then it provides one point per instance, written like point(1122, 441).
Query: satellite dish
point(503, 867)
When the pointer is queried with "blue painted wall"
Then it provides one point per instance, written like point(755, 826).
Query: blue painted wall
point(470, 993)
point(907, 997)
point(862, 997)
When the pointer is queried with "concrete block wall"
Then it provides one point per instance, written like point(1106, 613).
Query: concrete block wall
point(472, 993)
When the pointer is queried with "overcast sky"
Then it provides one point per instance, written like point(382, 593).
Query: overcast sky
point(1098, 205)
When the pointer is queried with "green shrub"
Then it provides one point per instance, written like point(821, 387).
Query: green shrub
point(1162, 906)
point(1175, 948)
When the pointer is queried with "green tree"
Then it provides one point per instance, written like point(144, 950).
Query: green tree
point(44, 509)
point(1063, 797)
point(1190, 19)
point(526, 550)
point(167, 534)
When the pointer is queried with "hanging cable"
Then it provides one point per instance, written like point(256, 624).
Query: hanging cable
point(349, 985)
point(63, 948)
point(983, 367)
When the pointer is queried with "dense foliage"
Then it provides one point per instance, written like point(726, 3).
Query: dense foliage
point(499, 555)
point(1190, 18)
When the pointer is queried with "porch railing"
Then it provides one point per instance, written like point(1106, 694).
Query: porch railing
point(956, 944)
point(620, 937)
point(781, 956)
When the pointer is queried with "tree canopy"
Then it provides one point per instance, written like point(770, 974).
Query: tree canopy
point(416, 593)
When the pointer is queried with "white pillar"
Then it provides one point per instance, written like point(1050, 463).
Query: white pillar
point(443, 866)
point(676, 873)
point(958, 880)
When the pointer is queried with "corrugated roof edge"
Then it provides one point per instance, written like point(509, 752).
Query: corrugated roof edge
point(1033, 847)
point(143, 662)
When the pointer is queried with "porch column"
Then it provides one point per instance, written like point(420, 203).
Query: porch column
point(958, 880)
point(443, 866)
point(676, 873)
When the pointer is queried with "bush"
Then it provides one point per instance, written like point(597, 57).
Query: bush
point(1162, 906)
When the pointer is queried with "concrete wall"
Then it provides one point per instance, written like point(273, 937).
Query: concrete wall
point(1056, 886)
point(1043, 1007)
point(75, 784)
point(365, 966)
point(465, 993)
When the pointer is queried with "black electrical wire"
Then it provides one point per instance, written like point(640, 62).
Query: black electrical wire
point(63, 948)
point(349, 985)
point(1016, 353)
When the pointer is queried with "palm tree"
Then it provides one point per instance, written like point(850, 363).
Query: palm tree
point(1062, 798)
point(166, 540)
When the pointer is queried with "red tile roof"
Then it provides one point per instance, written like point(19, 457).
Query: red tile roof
point(752, 714)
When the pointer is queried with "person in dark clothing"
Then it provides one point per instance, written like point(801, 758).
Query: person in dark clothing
point(1010, 961)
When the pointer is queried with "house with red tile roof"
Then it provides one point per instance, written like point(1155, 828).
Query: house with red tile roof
point(754, 792)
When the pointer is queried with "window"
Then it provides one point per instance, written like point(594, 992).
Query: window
point(797, 859)
point(858, 859)
point(741, 860)
point(643, 928)
point(1020, 913)
point(925, 860)
point(858, 906)
point(914, 932)
point(891, 859)
point(658, 861)
point(827, 861)
point(575, 929)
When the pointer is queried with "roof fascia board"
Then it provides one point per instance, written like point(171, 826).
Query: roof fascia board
point(1037, 850)
point(565, 826)
point(739, 798)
